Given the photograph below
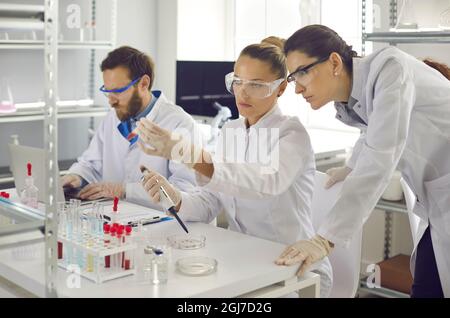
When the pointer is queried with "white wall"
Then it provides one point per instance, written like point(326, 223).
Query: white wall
point(203, 31)
point(166, 46)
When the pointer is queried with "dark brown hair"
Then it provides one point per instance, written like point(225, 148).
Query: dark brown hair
point(136, 62)
point(270, 50)
point(442, 68)
point(320, 41)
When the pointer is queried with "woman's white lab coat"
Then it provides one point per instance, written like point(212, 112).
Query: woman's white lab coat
point(110, 157)
point(404, 106)
point(274, 143)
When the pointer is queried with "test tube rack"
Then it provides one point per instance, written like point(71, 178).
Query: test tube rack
point(98, 251)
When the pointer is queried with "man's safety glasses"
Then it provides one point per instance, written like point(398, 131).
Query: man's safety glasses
point(116, 92)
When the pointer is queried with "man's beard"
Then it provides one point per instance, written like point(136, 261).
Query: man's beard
point(134, 107)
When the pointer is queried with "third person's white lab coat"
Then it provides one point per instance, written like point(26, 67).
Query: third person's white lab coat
point(274, 143)
point(404, 111)
point(110, 157)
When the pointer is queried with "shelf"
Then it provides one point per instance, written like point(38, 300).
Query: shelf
point(21, 9)
point(63, 113)
point(381, 291)
point(408, 37)
point(19, 17)
point(20, 24)
point(24, 224)
point(63, 45)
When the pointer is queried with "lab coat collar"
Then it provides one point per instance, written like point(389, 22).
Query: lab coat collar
point(358, 80)
point(160, 99)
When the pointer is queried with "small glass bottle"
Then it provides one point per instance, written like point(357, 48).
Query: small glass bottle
point(29, 195)
point(156, 265)
point(160, 266)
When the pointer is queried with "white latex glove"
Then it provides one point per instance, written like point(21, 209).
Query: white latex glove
point(71, 180)
point(151, 183)
point(305, 252)
point(156, 141)
point(99, 190)
point(337, 175)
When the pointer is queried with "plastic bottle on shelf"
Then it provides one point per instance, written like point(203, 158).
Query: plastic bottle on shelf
point(29, 195)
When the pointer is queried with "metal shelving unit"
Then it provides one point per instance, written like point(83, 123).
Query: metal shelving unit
point(63, 45)
point(66, 112)
point(72, 112)
point(401, 36)
point(382, 292)
point(63, 113)
point(29, 225)
point(389, 207)
point(394, 38)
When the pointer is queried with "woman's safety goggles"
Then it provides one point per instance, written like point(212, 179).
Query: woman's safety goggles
point(254, 89)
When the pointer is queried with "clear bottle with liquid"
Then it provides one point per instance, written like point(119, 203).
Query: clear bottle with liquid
point(155, 266)
point(29, 195)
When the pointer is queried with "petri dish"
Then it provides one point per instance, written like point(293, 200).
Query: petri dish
point(187, 242)
point(196, 265)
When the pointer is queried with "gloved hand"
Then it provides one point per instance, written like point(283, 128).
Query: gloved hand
point(151, 183)
point(156, 141)
point(99, 190)
point(337, 175)
point(305, 252)
point(71, 180)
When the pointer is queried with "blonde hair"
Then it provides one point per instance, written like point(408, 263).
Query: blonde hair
point(270, 50)
point(274, 40)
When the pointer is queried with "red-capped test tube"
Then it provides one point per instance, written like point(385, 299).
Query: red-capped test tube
point(119, 256)
point(113, 232)
point(106, 243)
point(127, 239)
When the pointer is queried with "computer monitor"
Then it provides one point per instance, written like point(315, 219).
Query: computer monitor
point(201, 83)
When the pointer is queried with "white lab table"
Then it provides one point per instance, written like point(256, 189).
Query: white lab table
point(245, 269)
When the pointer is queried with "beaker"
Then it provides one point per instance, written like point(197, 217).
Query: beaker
point(6, 99)
point(407, 17)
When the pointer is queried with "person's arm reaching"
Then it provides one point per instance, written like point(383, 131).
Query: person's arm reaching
point(289, 153)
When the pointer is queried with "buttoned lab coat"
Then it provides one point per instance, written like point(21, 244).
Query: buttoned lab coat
point(110, 157)
point(275, 142)
point(404, 107)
